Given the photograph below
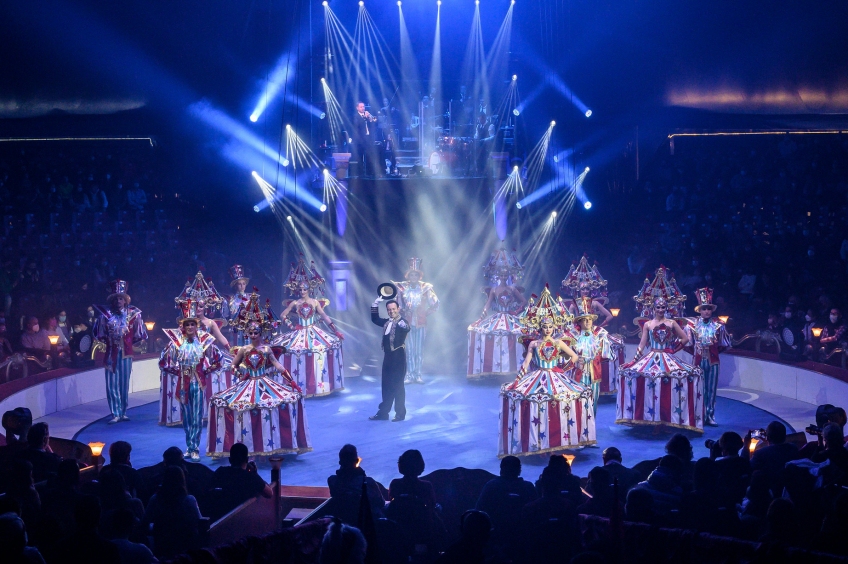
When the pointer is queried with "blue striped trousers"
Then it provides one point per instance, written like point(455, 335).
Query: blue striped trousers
point(415, 351)
point(118, 385)
point(191, 409)
point(710, 385)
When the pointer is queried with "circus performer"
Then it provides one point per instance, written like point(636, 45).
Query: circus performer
point(657, 388)
point(708, 337)
point(417, 300)
point(494, 345)
point(265, 414)
point(545, 410)
point(234, 303)
point(593, 345)
point(584, 281)
point(206, 297)
point(191, 356)
point(119, 326)
point(313, 355)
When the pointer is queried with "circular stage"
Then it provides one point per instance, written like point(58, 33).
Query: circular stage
point(453, 423)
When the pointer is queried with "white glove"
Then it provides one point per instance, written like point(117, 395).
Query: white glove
point(377, 302)
point(402, 324)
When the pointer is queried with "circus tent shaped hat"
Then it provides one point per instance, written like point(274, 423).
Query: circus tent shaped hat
point(200, 290)
point(705, 299)
point(302, 277)
point(584, 309)
point(118, 288)
point(581, 276)
point(547, 309)
point(237, 273)
point(188, 311)
point(253, 313)
point(414, 264)
point(505, 266)
point(663, 286)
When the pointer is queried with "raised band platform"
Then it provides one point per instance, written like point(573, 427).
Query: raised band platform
point(452, 421)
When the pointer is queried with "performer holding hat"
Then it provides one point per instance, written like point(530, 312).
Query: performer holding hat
point(395, 330)
point(417, 301)
point(118, 326)
point(707, 338)
point(191, 355)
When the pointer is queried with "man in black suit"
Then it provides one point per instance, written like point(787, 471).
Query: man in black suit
point(772, 459)
point(363, 139)
point(395, 329)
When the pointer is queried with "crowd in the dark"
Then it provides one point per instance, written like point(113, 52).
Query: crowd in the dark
point(761, 488)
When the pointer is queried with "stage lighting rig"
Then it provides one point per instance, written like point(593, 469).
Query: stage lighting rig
point(323, 115)
point(588, 113)
point(361, 4)
point(323, 208)
point(553, 123)
point(516, 112)
point(514, 77)
point(587, 205)
point(325, 3)
point(553, 214)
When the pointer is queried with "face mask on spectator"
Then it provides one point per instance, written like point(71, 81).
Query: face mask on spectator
point(35, 328)
point(788, 315)
point(808, 318)
point(63, 318)
point(833, 318)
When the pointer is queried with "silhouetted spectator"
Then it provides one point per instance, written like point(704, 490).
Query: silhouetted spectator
point(781, 523)
point(553, 515)
point(832, 537)
point(471, 547)
point(136, 198)
point(97, 199)
point(410, 466)
point(640, 506)
point(86, 538)
point(21, 488)
point(503, 497)
point(123, 524)
point(772, 458)
point(699, 508)
point(57, 509)
point(119, 461)
point(198, 476)
point(6, 349)
point(112, 490)
point(342, 544)
point(38, 453)
point(13, 539)
point(752, 511)
point(834, 452)
point(568, 483)
point(346, 488)
point(239, 481)
point(627, 477)
point(603, 499)
point(664, 485)
point(834, 330)
point(174, 515)
point(734, 471)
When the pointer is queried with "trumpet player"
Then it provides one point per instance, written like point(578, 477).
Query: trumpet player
point(363, 150)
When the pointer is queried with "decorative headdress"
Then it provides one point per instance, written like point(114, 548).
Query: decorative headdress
point(253, 313)
point(303, 277)
point(117, 288)
point(663, 286)
point(584, 309)
point(705, 299)
point(505, 266)
point(188, 311)
point(414, 266)
point(546, 310)
point(200, 290)
point(582, 276)
point(237, 273)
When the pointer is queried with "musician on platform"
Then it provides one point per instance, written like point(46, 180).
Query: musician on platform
point(484, 137)
point(363, 152)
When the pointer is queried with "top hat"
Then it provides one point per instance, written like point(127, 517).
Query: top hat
point(414, 266)
point(584, 309)
point(705, 299)
point(118, 288)
point(237, 273)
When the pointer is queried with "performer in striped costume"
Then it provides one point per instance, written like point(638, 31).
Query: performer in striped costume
point(234, 303)
point(191, 356)
point(417, 301)
point(592, 344)
point(264, 413)
point(545, 410)
point(707, 339)
point(118, 326)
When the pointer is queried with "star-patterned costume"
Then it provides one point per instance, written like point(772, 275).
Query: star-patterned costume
point(118, 330)
point(494, 345)
point(259, 411)
point(659, 388)
point(707, 338)
point(313, 355)
point(417, 301)
point(545, 410)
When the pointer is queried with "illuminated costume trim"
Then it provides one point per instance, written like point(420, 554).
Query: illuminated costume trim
point(417, 302)
point(707, 338)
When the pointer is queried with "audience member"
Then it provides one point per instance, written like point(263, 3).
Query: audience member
point(342, 544)
point(6, 349)
point(833, 331)
point(411, 466)
point(13, 539)
point(174, 515)
point(772, 458)
point(136, 198)
point(45, 463)
point(471, 547)
point(34, 337)
point(412, 504)
point(639, 507)
point(568, 483)
point(20, 487)
point(86, 537)
point(113, 494)
point(603, 501)
point(664, 485)
point(503, 497)
point(346, 488)
point(123, 524)
point(699, 508)
point(239, 481)
point(734, 471)
point(835, 453)
point(53, 330)
point(198, 476)
point(119, 461)
point(553, 515)
point(627, 477)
